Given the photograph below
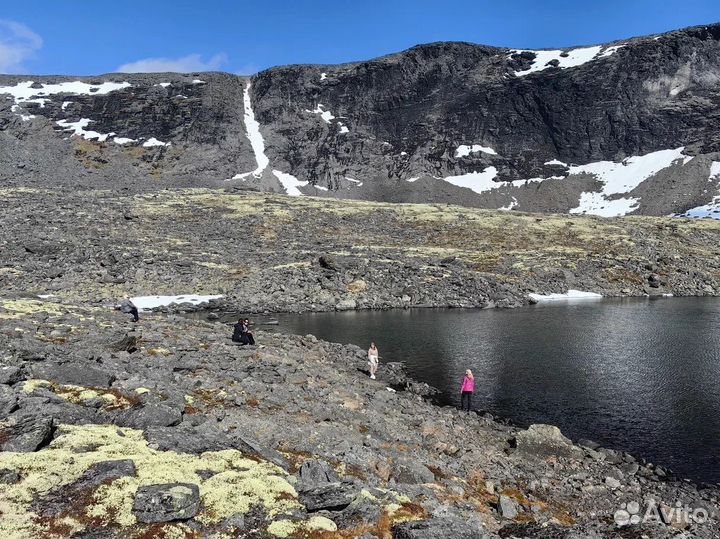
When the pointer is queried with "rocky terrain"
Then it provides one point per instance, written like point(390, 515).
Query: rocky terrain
point(165, 429)
point(624, 128)
point(273, 253)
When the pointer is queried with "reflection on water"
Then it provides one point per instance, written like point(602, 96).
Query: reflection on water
point(641, 376)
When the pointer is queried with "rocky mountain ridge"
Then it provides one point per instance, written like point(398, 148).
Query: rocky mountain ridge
point(628, 127)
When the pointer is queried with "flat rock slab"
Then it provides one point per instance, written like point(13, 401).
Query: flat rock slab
point(74, 374)
point(330, 497)
point(151, 415)
point(26, 433)
point(439, 528)
point(166, 502)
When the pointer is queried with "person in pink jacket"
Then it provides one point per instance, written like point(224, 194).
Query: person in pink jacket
point(466, 391)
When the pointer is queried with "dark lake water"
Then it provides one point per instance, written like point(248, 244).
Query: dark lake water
point(637, 375)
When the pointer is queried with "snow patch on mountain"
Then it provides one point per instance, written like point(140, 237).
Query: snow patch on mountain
point(621, 178)
point(23, 92)
point(290, 183)
point(326, 115)
point(78, 129)
point(464, 150)
point(252, 128)
point(153, 142)
point(712, 208)
point(565, 59)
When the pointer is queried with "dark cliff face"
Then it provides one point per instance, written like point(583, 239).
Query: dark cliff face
point(434, 112)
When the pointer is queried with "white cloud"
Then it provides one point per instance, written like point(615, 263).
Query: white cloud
point(187, 64)
point(17, 44)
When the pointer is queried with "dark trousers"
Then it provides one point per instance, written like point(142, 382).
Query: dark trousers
point(247, 338)
point(466, 395)
point(135, 314)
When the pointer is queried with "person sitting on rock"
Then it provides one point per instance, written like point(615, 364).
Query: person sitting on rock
point(128, 307)
point(242, 333)
point(247, 333)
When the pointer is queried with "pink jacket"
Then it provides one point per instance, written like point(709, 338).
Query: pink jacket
point(468, 384)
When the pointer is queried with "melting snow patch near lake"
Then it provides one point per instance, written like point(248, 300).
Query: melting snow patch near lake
point(569, 295)
point(620, 178)
point(290, 183)
point(574, 57)
point(23, 91)
point(252, 128)
point(464, 150)
point(145, 303)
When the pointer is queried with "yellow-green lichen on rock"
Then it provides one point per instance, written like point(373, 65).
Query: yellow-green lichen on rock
point(233, 483)
point(19, 308)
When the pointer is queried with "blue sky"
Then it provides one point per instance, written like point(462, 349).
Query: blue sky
point(92, 37)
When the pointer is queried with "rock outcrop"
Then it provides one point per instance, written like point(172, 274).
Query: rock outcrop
point(626, 127)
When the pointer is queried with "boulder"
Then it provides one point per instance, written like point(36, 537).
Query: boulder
point(185, 439)
point(411, 471)
point(150, 415)
point(78, 374)
point(545, 440)
point(315, 473)
point(25, 433)
point(439, 528)
point(330, 497)
point(10, 375)
point(166, 502)
point(507, 507)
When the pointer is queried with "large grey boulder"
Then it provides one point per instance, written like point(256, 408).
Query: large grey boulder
point(411, 471)
point(150, 415)
point(166, 502)
point(78, 374)
point(314, 473)
point(330, 497)
point(545, 440)
point(25, 433)
point(10, 375)
point(185, 439)
point(439, 528)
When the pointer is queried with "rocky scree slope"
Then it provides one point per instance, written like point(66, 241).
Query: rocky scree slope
point(273, 253)
point(627, 127)
point(167, 430)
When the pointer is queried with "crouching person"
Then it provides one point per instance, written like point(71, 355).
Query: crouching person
point(128, 307)
point(242, 333)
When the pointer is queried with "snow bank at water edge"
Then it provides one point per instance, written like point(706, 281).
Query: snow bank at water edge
point(145, 303)
point(569, 295)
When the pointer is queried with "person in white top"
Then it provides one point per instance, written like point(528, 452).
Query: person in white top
point(373, 355)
